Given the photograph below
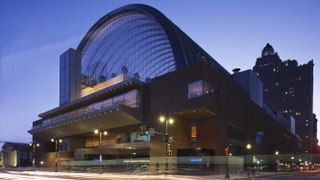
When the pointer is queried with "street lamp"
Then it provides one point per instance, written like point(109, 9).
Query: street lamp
point(167, 121)
point(227, 153)
point(249, 147)
point(277, 161)
point(101, 132)
point(56, 141)
point(34, 145)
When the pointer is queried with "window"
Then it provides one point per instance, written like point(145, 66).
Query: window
point(199, 88)
point(194, 131)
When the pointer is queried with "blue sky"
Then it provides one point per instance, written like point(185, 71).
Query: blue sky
point(34, 33)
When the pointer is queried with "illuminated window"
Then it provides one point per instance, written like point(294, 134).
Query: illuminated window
point(194, 131)
point(199, 88)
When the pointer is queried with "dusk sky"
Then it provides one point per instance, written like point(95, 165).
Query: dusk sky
point(34, 33)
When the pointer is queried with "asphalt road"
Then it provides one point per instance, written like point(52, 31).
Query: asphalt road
point(45, 175)
point(292, 176)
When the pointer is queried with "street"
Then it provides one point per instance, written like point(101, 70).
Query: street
point(292, 176)
point(112, 176)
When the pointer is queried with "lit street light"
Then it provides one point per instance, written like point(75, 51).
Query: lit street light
point(101, 132)
point(277, 161)
point(56, 141)
point(249, 147)
point(170, 121)
point(34, 145)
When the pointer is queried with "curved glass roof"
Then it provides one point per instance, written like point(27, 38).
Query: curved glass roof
point(139, 38)
point(134, 40)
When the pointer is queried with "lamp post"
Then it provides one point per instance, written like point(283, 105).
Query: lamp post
point(167, 121)
point(227, 152)
point(56, 141)
point(101, 132)
point(34, 145)
point(249, 147)
point(277, 161)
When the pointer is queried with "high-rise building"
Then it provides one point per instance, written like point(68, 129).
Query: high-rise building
point(288, 89)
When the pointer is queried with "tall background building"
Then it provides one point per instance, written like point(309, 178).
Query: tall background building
point(288, 89)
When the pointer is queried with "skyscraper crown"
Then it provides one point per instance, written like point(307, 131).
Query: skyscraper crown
point(267, 50)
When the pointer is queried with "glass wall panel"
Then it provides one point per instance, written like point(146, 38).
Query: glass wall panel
point(135, 40)
point(129, 99)
point(118, 99)
point(195, 89)
point(199, 88)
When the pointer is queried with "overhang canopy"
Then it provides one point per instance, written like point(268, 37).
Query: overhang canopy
point(118, 116)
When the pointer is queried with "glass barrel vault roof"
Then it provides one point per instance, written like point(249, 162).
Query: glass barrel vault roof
point(134, 40)
point(140, 38)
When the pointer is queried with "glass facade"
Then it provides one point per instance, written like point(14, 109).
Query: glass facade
point(129, 99)
point(64, 78)
point(133, 39)
point(199, 88)
point(69, 76)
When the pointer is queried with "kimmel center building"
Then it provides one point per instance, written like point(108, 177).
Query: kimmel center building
point(138, 87)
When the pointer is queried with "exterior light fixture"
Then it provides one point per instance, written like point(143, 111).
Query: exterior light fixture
point(170, 121)
point(56, 141)
point(34, 145)
point(248, 146)
point(101, 132)
point(167, 121)
point(161, 119)
point(277, 153)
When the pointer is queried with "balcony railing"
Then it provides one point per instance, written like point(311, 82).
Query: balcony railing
point(83, 111)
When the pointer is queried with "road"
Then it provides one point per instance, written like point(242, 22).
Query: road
point(86, 176)
point(46, 175)
point(292, 176)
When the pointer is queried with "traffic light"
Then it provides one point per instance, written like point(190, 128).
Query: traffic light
point(169, 149)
